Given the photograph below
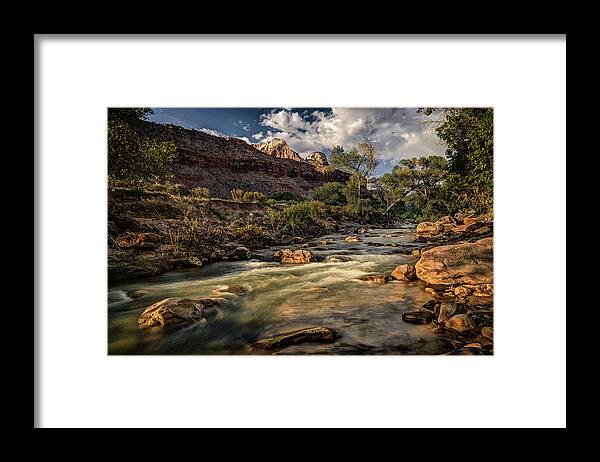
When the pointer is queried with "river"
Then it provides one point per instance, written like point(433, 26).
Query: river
point(280, 298)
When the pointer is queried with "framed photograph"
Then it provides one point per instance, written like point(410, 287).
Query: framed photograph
point(213, 224)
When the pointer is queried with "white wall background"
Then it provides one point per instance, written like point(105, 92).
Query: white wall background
point(523, 384)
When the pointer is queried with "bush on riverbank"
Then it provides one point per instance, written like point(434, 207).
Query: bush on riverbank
point(301, 217)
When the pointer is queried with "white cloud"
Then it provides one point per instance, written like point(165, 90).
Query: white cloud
point(258, 136)
point(399, 132)
point(245, 126)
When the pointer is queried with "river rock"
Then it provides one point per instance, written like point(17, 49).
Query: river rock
point(430, 304)
point(231, 290)
point(469, 220)
point(466, 352)
point(417, 317)
point(136, 293)
point(138, 240)
point(462, 292)
point(483, 290)
point(447, 310)
point(488, 332)
point(428, 229)
point(467, 263)
point(404, 272)
point(352, 239)
point(176, 312)
point(295, 256)
point(337, 259)
point(374, 278)
point(460, 323)
point(416, 253)
point(319, 334)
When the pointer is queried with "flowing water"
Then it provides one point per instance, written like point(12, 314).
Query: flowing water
point(280, 298)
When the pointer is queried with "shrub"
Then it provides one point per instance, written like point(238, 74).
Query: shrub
point(287, 196)
point(301, 217)
point(251, 234)
point(200, 193)
point(239, 195)
point(147, 185)
point(196, 237)
point(253, 196)
point(330, 193)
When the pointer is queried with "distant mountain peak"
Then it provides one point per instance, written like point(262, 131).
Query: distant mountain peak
point(317, 158)
point(278, 147)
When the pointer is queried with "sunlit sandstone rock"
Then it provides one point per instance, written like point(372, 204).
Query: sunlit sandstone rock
point(467, 263)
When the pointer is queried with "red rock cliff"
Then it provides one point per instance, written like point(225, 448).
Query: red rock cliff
point(222, 164)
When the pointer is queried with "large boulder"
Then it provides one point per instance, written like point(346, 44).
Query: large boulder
point(295, 256)
point(467, 263)
point(177, 312)
point(404, 272)
point(319, 334)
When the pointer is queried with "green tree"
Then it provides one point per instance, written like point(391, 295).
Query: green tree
point(469, 138)
point(131, 154)
point(330, 194)
point(417, 181)
point(361, 161)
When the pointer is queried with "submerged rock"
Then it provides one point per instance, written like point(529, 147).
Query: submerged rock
point(177, 312)
point(295, 256)
point(352, 239)
point(374, 278)
point(311, 334)
point(404, 272)
point(337, 259)
point(233, 290)
point(136, 293)
point(467, 263)
point(418, 317)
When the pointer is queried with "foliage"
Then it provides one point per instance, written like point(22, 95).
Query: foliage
point(469, 138)
point(239, 195)
point(362, 162)
point(330, 194)
point(251, 233)
point(287, 196)
point(415, 183)
point(300, 217)
point(132, 155)
point(174, 189)
point(200, 193)
point(197, 237)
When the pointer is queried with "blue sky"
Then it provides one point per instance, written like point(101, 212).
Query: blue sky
point(399, 132)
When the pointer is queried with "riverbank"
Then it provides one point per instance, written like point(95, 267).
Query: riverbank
point(152, 232)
